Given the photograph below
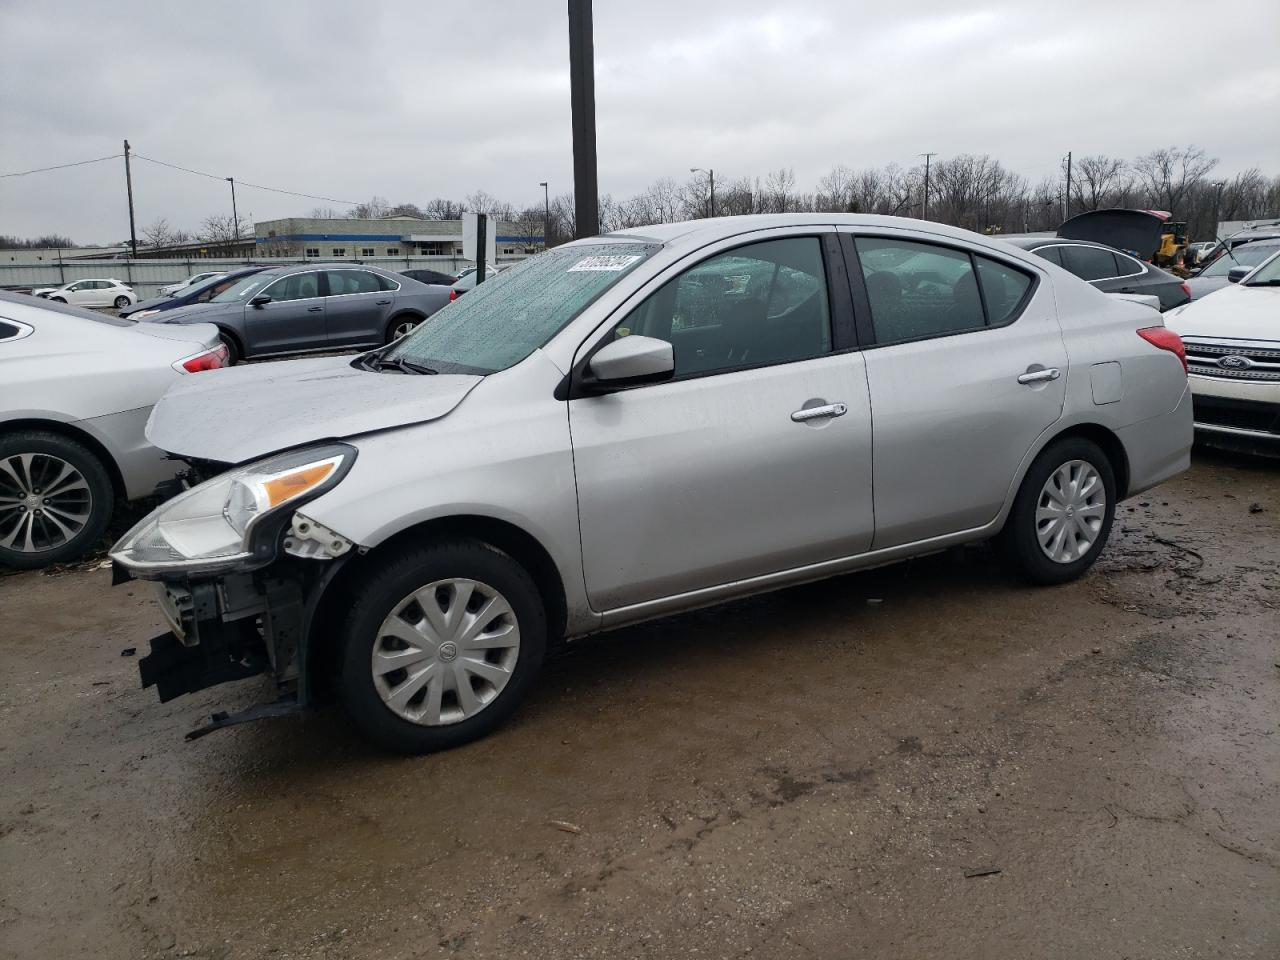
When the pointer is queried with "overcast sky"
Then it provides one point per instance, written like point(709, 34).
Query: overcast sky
point(414, 100)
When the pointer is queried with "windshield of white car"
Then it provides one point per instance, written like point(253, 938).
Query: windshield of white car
point(506, 318)
point(1267, 275)
point(1245, 255)
point(246, 288)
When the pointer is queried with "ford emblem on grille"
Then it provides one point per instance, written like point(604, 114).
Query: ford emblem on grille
point(1235, 362)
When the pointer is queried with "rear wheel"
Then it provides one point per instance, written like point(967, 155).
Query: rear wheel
point(441, 646)
point(399, 326)
point(55, 499)
point(121, 302)
point(1062, 515)
point(58, 299)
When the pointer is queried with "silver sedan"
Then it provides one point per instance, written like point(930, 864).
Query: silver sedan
point(638, 424)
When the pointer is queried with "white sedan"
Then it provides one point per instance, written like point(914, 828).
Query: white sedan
point(170, 289)
point(1232, 339)
point(91, 293)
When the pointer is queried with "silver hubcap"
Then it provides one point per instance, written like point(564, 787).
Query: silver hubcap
point(404, 328)
point(1070, 511)
point(44, 502)
point(445, 652)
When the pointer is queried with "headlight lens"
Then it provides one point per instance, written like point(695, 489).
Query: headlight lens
point(213, 525)
point(142, 314)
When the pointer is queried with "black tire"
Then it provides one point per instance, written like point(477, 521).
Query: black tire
point(1018, 542)
point(121, 302)
point(392, 579)
point(233, 348)
point(57, 300)
point(100, 498)
point(396, 322)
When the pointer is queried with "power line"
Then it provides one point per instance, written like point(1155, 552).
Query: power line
point(245, 183)
point(61, 166)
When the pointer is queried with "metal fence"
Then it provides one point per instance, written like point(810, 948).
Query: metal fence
point(147, 276)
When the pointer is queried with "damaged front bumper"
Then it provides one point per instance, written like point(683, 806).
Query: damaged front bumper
point(234, 626)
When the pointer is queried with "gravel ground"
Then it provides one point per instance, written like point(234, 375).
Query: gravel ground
point(923, 761)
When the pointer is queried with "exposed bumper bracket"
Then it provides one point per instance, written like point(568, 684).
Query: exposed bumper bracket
point(259, 711)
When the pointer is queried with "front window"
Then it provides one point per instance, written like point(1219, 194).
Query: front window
point(1268, 275)
point(510, 315)
point(248, 287)
point(296, 286)
point(1245, 255)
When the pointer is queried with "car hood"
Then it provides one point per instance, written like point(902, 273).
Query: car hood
point(248, 411)
point(1235, 312)
point(1203, 286)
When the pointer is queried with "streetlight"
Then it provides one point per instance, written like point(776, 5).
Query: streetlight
point(711, 176)
point(1217, 204)
point(546, 214)
point(235, 217)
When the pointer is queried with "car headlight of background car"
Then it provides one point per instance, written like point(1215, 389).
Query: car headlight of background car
point(141, 314)
point(231, 520)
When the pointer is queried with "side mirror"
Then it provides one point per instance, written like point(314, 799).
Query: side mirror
point(1236, 274)
point(259, 300)
point(628, 362)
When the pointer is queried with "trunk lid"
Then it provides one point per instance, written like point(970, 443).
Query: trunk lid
point(245, 412)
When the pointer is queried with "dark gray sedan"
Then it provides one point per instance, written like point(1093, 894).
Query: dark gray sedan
point(1110, 270)
point(308, 307)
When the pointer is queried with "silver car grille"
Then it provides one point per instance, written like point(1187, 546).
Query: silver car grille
point(1231, 362)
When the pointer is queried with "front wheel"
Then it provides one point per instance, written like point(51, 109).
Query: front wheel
point(121, 302)
point(441, 646)
point(400, 326)
point(1062, 515)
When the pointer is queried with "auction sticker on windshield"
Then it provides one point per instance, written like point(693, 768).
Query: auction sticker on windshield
point(603, 264)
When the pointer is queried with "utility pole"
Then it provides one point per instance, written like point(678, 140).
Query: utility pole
point(1066, 206)
point(925, 211)
point(582, 98)
point(711, 177)
point(128, 182)
point(546, 212)
point(235, 218)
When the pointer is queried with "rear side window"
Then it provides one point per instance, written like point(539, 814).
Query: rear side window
point(1052, 254)
point(918, 290)
point(1090, 263)
point(1127, 265)
point(9, 331)
point(1003, 288)
point(342, 282)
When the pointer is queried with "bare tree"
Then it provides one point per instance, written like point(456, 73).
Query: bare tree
point(442, 209)
point(373, 209)
point(1099, 181)
point(223, 229)
point(1168, 173)
point(324, 213)
point(158, 233)
point(406, 210)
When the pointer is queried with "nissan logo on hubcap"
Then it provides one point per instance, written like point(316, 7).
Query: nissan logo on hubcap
point(1235, 362)
point(448, 650)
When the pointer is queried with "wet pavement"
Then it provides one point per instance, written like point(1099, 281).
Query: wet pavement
point(927, 760)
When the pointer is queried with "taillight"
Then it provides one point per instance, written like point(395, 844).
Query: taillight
point(1186, 288)
point(208, 360)
point(1165, 339)
point(453, 295)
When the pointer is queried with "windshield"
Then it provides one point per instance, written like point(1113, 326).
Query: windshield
point(212, 280)
point(1266, 276)
point(245, 288)
point(1246, 255)
point(506, 318)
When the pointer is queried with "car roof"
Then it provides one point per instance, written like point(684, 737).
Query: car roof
point(1035, 243)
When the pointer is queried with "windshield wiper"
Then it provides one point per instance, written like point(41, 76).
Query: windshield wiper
point(401, 364)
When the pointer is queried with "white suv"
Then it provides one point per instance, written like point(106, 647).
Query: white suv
point(1232, 340)
point(91, 293)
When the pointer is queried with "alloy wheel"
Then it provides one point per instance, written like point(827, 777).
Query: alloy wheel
point(402, 328)
point(1070, 511)
point(44, 502)
point(445, 652)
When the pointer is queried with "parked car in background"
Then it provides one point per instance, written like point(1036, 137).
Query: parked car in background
point(172, 288)
point(632, 425)
point(1214, 276)
point(91, 293)
point(78, 388)
point(1233, 354)
point(196, 293)
point(1201, 248)
point(428, 276)
point(1108, 270)
point(310, 307)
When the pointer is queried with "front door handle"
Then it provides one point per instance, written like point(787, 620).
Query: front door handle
point(817, 413)
point(383, 303)
point(314, 309)
point(1040, 376)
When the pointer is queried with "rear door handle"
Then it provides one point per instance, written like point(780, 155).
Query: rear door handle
point(1040, 376)
point(816, 413)
point(314, 309)
point(383, 303)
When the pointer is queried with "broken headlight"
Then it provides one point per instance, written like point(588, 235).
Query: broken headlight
point(228, 520)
